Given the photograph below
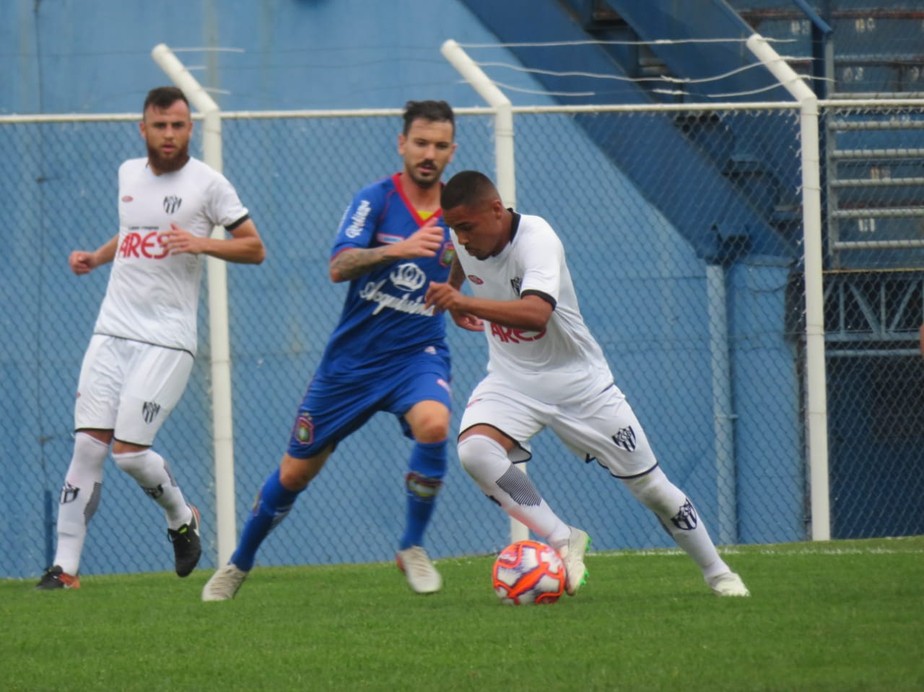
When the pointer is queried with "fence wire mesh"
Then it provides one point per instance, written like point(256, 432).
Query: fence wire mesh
point(683, 230)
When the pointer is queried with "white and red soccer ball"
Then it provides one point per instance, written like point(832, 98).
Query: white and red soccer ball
point(528, 572)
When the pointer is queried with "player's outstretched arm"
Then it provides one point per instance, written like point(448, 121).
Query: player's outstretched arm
point(354, 262)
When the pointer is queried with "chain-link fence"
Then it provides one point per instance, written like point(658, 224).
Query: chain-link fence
point(684, 235)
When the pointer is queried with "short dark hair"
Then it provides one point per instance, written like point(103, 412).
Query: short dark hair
point(164, 97)
point(467, 188)
point(434, 111)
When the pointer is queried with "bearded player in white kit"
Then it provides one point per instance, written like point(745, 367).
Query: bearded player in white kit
point(545, 369)
point(141, 353)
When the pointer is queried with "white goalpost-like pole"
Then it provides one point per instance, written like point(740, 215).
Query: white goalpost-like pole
point(503, 117)
point(816, 378)
point(504, 158)
point(219, 336)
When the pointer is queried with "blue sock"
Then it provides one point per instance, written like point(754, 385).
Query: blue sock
point(423, 481)
point(272, 505)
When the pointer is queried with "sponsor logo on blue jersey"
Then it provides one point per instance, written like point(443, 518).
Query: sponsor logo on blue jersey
point(359, 219)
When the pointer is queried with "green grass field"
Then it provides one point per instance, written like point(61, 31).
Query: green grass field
point(845, 615)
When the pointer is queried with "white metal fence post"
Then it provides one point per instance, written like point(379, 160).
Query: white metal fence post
point(504, 158)
point(219, 338)
point(816, 377)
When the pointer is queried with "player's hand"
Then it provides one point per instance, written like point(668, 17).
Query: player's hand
point(444, 296)
point(468, 321)
point(426, 241)
point(178, 240)
point(82, 262)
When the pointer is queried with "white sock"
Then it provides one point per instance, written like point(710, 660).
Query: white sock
point(486, 462)
point(679, 517)
point(79, 499)
point(152, 473)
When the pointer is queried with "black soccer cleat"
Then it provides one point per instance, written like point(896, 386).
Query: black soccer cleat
point(56, 578)
point(187, 549)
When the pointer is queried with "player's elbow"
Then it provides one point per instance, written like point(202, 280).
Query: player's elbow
point(535, 323)
point(536, 313)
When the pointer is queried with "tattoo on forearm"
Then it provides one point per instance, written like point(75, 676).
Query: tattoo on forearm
point(355, 263)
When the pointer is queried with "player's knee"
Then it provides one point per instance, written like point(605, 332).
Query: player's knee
point(132, 463)
point(482, 458)
point(432, 431)
point(658, 494)
point(422, 487)
point(295, 477)
point(295, 473)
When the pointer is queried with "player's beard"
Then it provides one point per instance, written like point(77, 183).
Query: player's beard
point(428, 182)
point(168, 164)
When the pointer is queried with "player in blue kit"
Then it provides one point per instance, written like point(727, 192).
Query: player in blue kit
point(387, 353)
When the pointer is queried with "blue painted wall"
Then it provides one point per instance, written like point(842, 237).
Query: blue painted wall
point(93, 56)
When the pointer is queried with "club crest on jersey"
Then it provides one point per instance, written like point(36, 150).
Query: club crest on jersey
point(448, 255)
point(515, 283)
point(172, 204)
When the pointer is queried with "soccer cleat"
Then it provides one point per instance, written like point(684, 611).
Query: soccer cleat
point(572, 554)
point(728, 584)
point(224, 584)
point(187, 548)
point(419, 570)
point(56, 578)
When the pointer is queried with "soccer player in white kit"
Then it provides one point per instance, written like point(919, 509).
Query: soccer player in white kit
point(545, 369)
point(141, 353)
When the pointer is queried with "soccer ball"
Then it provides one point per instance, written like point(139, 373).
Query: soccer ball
point(528, 572)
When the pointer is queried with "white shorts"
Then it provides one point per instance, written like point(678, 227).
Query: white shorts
point(603, 427)
point(129, 387)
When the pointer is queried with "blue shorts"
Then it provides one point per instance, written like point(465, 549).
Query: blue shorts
point(334, 408)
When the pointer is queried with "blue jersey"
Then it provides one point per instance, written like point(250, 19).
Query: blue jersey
point(384, 317)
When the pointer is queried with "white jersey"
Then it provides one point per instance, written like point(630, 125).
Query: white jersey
point(153, 296)
point(564, 361)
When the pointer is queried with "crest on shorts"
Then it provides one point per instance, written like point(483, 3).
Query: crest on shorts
point(625, 438)
point(304, 429)
point(149, 410)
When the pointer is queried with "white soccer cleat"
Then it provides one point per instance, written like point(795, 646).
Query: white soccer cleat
point(224, 584)
point(572, 554)
point(728, 584)
point(419, 570)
